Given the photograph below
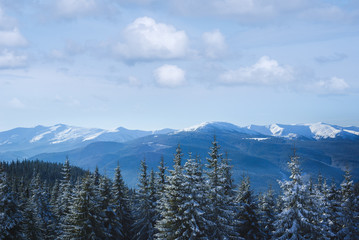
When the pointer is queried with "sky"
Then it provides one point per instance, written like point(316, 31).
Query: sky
point(152, 64)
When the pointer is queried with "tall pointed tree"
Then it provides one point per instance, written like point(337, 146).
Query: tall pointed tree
point(169, 227)
point(145, 212)
point(294, 220)
point(64, 200)
point(221, 214)
point(267, 209)
point(83, 220)
point(249, 222)
point(110, 221)
point(348, 215)
point(194, 222)
point(121, 205)
point(10, 216)
point(40, 209)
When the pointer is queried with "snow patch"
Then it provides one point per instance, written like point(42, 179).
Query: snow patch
point(276, 130)
point(351, 131)
point(91, 137)
point(257, 139)
point(40, 136)
point(321, 130)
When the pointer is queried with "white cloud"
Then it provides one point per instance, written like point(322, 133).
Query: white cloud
point(16, 103)
point(334, 85)
point(74, 8)
point(145, 39)
point(169, 76)
point(265, 72)
point(215, 44)
point(11, 60)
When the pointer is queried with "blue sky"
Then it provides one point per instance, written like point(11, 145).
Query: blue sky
point(150, 64)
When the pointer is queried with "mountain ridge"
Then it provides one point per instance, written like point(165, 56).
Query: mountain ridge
point(259, 151)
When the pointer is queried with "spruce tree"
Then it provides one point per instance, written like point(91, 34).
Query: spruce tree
point(170, 226)
point(83, 219)
point(221, 212)
point(194, 222)
point(110, 222)
point(294, 220)
point(64, 200)
point(324, 221)
point(40, 209)
point(347, 217)
point(249, 222)
point(267, 212)
point(121, 206)
point(334, 208)
point(145, 212)
point(10, 216)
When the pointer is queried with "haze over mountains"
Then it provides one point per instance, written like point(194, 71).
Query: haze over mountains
point(259, 151)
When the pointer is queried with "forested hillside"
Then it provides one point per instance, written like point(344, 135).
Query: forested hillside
point(196, 199)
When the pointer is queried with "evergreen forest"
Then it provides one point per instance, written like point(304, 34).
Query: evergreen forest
point(194, 199)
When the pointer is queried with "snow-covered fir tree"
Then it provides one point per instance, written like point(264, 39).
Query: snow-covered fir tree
point(321, 192)
point(161, 177)
point(64, 201)
point(249, 222)
point(267, 211)
point(221, 212)
point(294, 221)
point(110, 222)
point(40, 209)
point(170, 225)
point(10, 215)
point(334, 207)
point(144, 226)
point(194, 207)
point(83, 220)
point(121, 206)
point(347, 213)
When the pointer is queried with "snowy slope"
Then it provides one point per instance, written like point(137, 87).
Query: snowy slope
point(212, 127)
point(312, 131)
point(63, 137)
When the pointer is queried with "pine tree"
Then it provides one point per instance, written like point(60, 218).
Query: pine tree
point(10, 216)
point(294, 220)
point(334, 208)
point(267, 209)
point(321, 194)
point(221, 214)
point(64, 201)
point(40, 209)
point(194, 208)
point(170, 226)
point(121, 206)
point(83, 219)
point(111, 224)
point(161, 177)
point(146, 212)
point(247, 215)
point(349, 225)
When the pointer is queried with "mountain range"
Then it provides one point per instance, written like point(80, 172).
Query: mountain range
point(258, 151)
